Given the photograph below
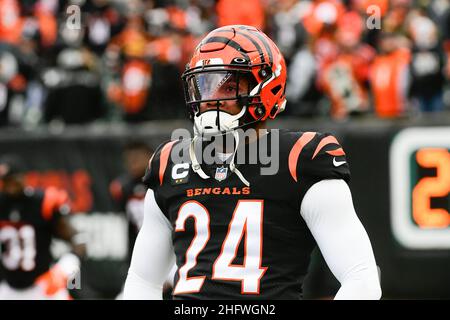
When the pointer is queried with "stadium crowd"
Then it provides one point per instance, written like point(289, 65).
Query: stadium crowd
point(79, 61)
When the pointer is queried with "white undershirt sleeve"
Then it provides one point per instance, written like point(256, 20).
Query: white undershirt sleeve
point(153, 255)
point(327, 209)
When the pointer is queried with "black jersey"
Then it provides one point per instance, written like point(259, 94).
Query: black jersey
point(238, 241)
point(27, 224)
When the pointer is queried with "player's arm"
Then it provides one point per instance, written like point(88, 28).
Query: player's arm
point(153, 255)
point(342, 239)
point(65, 231)
point(56, 210)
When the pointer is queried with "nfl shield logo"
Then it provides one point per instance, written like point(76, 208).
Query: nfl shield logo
point(221, 173)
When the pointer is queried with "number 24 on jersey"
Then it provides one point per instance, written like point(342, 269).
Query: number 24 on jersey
point(247, 221)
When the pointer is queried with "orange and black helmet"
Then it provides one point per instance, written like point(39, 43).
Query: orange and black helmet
point(237, 52)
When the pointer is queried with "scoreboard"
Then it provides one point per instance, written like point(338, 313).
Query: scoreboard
point(420, 187)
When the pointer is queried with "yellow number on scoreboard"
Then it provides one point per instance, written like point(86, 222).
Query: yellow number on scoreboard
point(429, 187)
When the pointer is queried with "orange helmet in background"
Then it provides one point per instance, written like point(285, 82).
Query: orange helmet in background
point(231, 54)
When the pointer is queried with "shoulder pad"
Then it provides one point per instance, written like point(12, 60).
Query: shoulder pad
point(318, 156)
point(157, 165)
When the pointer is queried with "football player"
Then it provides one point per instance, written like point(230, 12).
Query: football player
point(128, 190)
point(234, 232)
point(29, 218)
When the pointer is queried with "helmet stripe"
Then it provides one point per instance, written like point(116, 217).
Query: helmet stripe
point(230, 43)
point(257, 46)
point(265, 43)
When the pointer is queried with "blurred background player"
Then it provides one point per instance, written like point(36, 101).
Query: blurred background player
point(29, 219)
point(128, 190)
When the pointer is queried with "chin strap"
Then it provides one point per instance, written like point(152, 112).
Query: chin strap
point(198, 169)
point(195, 165)
point(232, 165)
